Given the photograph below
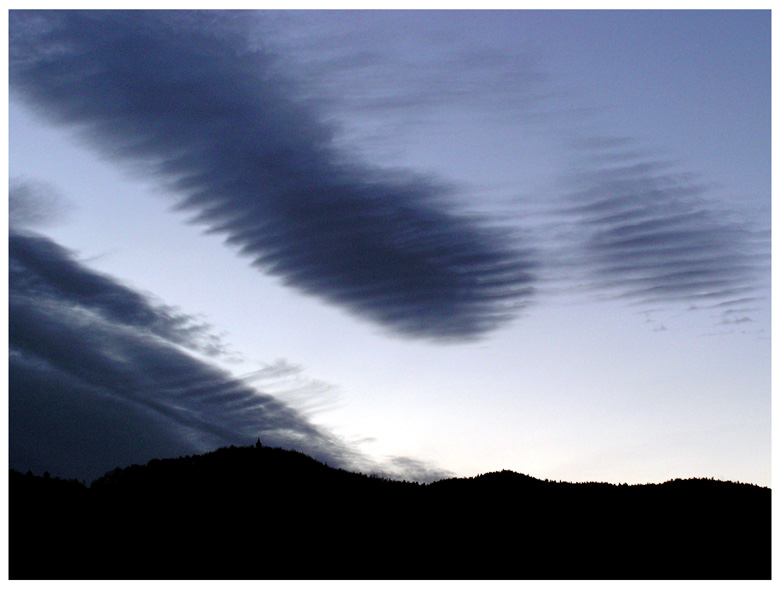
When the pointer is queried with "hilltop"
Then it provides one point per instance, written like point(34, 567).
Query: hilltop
point(266, 513)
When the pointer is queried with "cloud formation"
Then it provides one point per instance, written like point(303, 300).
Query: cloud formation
point(361, 64)
point(189, 98)
point(650, 232)
point(34, 204)
point(101, 376)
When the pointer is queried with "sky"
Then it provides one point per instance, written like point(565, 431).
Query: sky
point(416, 243)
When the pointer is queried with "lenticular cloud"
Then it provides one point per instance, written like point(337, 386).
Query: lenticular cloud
point(190, 99)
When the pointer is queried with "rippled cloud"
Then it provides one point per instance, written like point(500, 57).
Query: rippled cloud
point(192, 99)
point(101, 375)
point(649, 230)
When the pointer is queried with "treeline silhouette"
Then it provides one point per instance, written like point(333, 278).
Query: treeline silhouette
point(266, 513)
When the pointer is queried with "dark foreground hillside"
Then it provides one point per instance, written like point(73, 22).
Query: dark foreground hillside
point(266, 513)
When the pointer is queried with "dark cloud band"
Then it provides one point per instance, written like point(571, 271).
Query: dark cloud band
point(102, 375)
point(97, 342)
point(183, 96)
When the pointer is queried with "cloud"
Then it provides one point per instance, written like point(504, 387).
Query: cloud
point(189, 98)
point(355, 67)
point(102, 376)
point(42, 268)
point(35, 204)
point(400, 467)
point(650, 231)
point(288, 383)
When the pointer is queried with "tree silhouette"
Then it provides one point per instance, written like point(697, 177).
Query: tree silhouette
point(264, 513)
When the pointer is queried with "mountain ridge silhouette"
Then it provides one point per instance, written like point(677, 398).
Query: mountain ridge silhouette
point(258, 512)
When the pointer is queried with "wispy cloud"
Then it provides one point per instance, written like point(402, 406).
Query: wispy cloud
point(648, 230)
point(356, 69)
point(41, 268)
point(94, 339)
point(188, 98)
point(101, 375)
point(35, 204)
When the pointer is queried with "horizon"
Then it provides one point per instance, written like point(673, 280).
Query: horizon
point(426, 244)
point(385, 476)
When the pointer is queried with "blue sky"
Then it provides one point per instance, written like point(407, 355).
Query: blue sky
point(421, 243)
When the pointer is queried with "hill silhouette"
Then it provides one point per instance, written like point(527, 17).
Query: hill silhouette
point(266, 513)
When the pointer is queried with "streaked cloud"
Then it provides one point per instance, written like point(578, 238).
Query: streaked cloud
point(381, 76)
point(35, 204)
point(190, 99)
point(101, 375)
point(645, 228)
